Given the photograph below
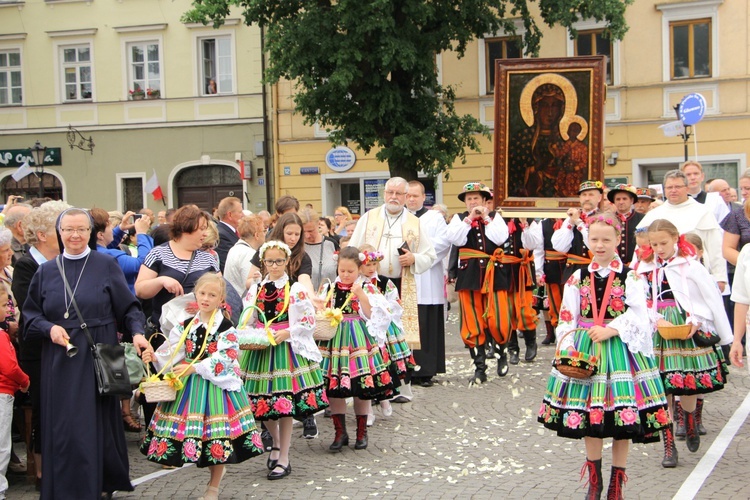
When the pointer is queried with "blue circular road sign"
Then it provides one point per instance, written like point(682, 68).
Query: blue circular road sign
point(692, 109)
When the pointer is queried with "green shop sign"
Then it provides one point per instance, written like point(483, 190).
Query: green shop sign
point(14, 158)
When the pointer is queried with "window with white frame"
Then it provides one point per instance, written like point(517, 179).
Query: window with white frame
point(593, 43)
point(77, 68)
point(216, 65)
point(132, 194)
point(499, 48)
point(144, 65)
point(10, 77)
point(690, 43)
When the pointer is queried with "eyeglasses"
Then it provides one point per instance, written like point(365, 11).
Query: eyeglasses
point(277, 262)
point(71, 230)
point(338, 215)
point(394, 193)
point(674, 188)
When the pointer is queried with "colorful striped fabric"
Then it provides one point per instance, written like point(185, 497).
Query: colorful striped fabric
point(624, 400)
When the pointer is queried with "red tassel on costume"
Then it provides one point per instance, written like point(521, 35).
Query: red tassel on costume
point(511, 226)
point(558, 224)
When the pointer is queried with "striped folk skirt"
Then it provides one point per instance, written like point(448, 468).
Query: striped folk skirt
point(204, 425)
point(397, 351)
point(280, 383)
point(353, 364)
point(686, 368)
point(624, 400)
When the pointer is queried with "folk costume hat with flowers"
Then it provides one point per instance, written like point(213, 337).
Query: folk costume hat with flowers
point(591, 184)
point(475, 187)
point(623, 188)
point(644, 194)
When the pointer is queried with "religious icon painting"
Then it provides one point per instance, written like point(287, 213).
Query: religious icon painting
point(549, 123)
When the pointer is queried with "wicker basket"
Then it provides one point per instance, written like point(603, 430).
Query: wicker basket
point(579, 365)
point(253, 347)
point(675, 332)
point(323, 329)
point(247, 344)
point(158, 391)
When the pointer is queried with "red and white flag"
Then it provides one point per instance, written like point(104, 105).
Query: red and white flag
point(153, 187)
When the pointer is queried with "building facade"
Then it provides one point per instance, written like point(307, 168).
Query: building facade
point(673, 48)
point(154, 94)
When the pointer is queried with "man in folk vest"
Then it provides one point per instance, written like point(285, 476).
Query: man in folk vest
point(402, 239)
point(477, 233)
point(623, 197)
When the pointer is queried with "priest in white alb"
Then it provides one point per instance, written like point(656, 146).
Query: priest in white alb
point(405, 244)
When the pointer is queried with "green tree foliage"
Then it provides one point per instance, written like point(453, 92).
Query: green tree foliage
point(366, 70)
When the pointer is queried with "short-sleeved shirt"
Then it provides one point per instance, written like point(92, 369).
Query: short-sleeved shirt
point(737, 223)
point(304, 268)
point(163, 262)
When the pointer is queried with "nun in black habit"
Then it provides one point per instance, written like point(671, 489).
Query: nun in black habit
point(83, 441)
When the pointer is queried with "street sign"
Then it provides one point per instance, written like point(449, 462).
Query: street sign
point(287, 170)
point(308, 170)
point(692, 108)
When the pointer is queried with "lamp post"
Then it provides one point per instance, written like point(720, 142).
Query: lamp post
point(37, 152)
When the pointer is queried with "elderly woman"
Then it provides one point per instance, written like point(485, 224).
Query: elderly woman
point(341, 216)
point(320, 250)
point(39, 232)
point(237, 268)
point(10, 322)
point(80, 428)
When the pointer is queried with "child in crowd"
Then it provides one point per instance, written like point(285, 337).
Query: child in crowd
point(12, 379)
point(353, 365)
point(680, 292)
point(210, 423)
point(395, 349)
point(283, 381)
point(603, 313)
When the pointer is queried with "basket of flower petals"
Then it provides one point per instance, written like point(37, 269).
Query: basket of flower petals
point(253, 339)
point(326, 324)
point(675, 332)
point(573, 363)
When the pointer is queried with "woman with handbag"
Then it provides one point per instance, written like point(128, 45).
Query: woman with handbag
point(681, 293)
point(79, 426)
point(604, 325)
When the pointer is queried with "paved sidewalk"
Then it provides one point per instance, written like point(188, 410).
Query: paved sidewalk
point(453, 441)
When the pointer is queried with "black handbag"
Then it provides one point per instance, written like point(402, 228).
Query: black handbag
point(112, 377)
point(705, 339)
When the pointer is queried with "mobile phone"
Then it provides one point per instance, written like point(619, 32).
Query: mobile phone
point(137, 216)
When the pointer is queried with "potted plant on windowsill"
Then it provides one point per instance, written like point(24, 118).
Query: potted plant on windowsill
point(153, 93)
point(137, 95)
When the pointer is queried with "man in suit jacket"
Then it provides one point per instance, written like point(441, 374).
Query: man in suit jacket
point(229, 214)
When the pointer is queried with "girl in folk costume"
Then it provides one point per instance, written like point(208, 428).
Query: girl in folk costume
point(395, 349)
point(680, 293)
point(284, 380)
point(210, 423)
point(603, 313)
point(353, 364)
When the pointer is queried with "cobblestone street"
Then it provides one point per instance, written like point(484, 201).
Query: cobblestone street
point(454, 441)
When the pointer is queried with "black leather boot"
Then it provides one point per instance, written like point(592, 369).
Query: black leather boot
point(679, 421)
point(595, 481)
point(692, 438)
point(529, 338)
point(513, 349)
point(670, 449)
point(341, 438)
point(699, 417)
point(502, 361)
point(616, 483)
point(479, 355)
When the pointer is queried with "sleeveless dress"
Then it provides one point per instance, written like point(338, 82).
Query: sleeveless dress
point(625, 398)
point(353, 364)
point(686, 368)
point(284, 380)
point(210, 422)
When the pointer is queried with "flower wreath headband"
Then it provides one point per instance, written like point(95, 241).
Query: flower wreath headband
point(370, 257)
point(606, 220)
point(275, 244)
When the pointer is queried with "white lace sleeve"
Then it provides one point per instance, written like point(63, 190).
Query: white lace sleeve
point(570, 310)
point(221, 367)
point(634, 325)
point(380, 314)
point(164, 352)
point(394, 303)
point(302, 324)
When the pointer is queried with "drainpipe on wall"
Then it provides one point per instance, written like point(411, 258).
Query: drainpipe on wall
point(266, 128)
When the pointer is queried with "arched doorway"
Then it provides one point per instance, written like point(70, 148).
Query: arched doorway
point(206, 185)
point(28, 187)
